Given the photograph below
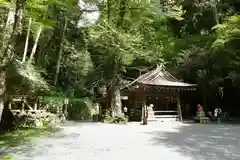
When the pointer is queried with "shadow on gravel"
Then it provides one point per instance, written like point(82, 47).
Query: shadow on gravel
point(20, 140)
point(202, 142)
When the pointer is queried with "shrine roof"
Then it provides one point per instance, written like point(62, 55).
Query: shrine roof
point(160, 77)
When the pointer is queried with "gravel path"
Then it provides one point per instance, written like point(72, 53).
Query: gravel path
point(156, 141)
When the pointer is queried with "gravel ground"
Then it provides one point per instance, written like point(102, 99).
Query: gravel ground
point(156, 141)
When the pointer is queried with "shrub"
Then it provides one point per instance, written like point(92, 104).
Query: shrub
point(119, 120)
point(34, 120)
point(82, 109)
point(54, 103)
point(107, 118)
point(6, 156)
point(78, 108)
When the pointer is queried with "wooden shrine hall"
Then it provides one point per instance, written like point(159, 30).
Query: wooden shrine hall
point(158, 88)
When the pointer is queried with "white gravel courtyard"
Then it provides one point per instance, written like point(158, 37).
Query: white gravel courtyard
point(156, 141)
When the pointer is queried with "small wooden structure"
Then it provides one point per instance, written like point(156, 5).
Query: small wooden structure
point(32, 104)
point(22, 102)
point(154, 87)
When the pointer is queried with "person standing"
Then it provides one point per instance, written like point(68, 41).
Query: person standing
point(151, 108)
point(125, 109)
point(217, 114)
point(199, 108)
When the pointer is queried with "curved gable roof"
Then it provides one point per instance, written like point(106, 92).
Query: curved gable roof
point(160, 77)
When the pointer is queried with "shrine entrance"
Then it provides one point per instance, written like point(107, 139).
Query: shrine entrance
point(162, 103)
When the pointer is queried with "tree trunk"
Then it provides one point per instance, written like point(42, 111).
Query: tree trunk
point(7, 119)
point(122, 12)
point(35, 44)
point(8, 27)
point(17, 27)
point(109, 3)
point(1, 109)
point(60, 52)
point(2, 91)
point(19, 13)
point(215, 13)
point(27, 39)
point(116, 104)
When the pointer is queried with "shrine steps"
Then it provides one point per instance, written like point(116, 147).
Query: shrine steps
point(162, 118)
point(166, 116)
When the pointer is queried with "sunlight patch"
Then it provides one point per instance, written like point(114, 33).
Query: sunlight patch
point(90, 14)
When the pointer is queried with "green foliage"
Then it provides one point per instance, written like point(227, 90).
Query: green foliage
point(24, 77)
point(7, 156)
point(21, 137)
point(118, 120)
point(76, 67)
point(228, 31)
point(122, 37)
point(197, 40)
point(54, 103)
point(107, 118)
point(205, 50)
point(81, 109)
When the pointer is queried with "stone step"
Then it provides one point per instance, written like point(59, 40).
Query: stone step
point(152, 120)
point(166, 116)
point(163, 120)
point(167, 119)
point(152, 117)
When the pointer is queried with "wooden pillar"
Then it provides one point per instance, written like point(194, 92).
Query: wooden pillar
point(144, 107)
point(179, 108)
point(100, 112)
point(142, 97)
point(145, 121)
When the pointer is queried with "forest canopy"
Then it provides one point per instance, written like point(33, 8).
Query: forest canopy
point(72, 47)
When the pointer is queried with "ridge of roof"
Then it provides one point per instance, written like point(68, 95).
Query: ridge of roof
point(161, 77)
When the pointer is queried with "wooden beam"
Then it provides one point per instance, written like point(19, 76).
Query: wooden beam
point(179, 108)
